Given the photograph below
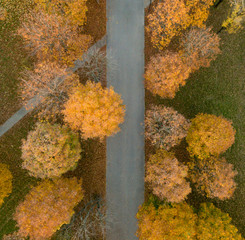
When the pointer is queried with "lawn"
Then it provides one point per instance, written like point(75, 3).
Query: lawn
point(13, 57)
point(10, 154)
point(219, 90)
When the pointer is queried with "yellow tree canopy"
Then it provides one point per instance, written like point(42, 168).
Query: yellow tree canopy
point(95, 111)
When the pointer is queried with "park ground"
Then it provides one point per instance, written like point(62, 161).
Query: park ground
point(217, 90)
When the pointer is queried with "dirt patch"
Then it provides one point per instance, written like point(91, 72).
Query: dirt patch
point(92, 168)
point(96, 19)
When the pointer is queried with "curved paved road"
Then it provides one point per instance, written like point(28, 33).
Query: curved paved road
point(125, 151)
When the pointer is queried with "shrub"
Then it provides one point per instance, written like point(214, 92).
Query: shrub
point(50, 150)
point(165, 127)
point(166, 177)
point(47, 207)
point(52, 40)
point(213, 224)
point(165, 73)
point(200, 46)
point(5, 182)
point(166, 21)
point(73, 11)
point(175, 221)
point(209, 135)
point(198, 11)
point(95, 111)
point(212, 176)
point(52, 83)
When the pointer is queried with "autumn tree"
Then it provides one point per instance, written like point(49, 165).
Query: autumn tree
point(170, 17)
point(165, 73)
point(167, 221)
point(50, 150)
point(166, 21)
point(95, 111)
point(166, 176)
point(213, 177)
point(209, 135)
point(73, 11)
point(165, 127)
point(47, 207)
point(51, 83)
point(5, 182)
point(214, 224)
point(200, 46)
point(51, 39)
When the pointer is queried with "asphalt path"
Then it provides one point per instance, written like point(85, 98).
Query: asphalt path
point(125, 150)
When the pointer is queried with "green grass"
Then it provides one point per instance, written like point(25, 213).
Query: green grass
point(13, 57)
point(10, 154)
point(220, 90)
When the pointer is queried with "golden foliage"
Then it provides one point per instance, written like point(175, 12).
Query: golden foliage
point(235, 20)
point(170, 17)
point(51, 40)
point(73, 11)
point(52, 83)
point(50, 150)
point(95, 111)
point(47, 207)
point(213, 176)
point(171, 222)
point(199, 47)
point(165, 127)
point(165, 73)
point(5, 182)
point(209, 135)
point(167, 20)
point(198, 11)
point(214, 224)
point(166, 177)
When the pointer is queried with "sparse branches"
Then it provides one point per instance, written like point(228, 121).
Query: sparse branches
point(52, 84)
point(165, 127)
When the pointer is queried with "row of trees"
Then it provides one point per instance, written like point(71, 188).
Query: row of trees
point(167, 215)
point(74, 107)
point(161, 220)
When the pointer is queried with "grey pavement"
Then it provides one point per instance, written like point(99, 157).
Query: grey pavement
point(125, 150)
